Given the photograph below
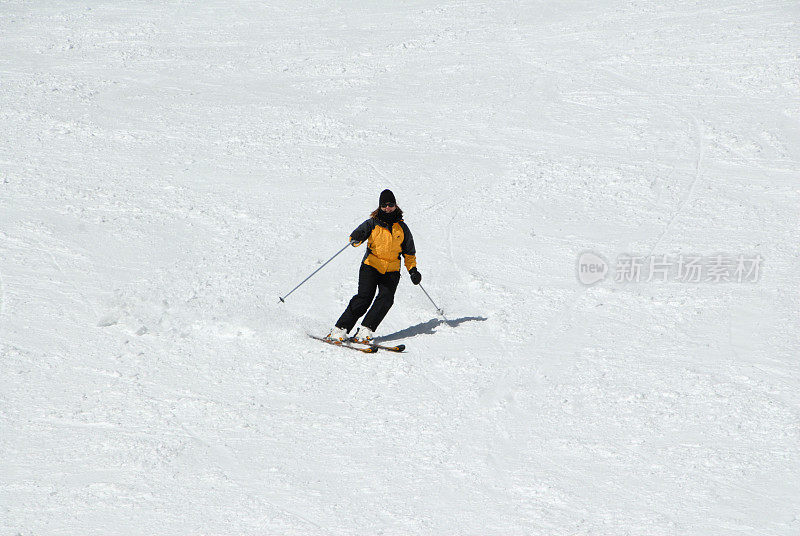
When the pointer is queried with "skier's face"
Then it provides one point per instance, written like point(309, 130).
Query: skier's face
point(388, 207)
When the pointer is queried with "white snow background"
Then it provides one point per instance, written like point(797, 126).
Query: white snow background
point(168, 169)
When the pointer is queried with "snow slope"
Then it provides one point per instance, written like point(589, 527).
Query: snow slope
point(168, 169)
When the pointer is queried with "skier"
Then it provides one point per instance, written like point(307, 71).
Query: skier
point(388, 238)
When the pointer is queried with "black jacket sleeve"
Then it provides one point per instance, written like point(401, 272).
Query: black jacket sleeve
point(407, 247)
point(363, 231)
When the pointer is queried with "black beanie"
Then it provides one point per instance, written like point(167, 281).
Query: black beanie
point(386, 197)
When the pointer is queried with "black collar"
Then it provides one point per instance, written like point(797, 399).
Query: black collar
point(388, 220)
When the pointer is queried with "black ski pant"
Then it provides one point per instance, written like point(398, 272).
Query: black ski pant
point(370, 279)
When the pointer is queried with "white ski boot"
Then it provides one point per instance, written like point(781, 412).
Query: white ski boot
point(364, 335)
point(337, 334)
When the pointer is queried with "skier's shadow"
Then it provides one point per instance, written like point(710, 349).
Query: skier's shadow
point(427, 328)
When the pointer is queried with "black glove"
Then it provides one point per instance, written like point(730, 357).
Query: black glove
point(416, 277)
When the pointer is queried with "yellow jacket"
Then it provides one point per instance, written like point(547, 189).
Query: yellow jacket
point(385, 244)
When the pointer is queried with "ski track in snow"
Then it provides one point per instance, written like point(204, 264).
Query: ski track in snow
point(168, 170)
point(701, 146)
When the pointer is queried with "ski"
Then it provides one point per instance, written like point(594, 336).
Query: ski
point(346, 344)
point(398, 348)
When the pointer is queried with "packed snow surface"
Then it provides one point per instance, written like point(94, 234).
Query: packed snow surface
point(168, 169)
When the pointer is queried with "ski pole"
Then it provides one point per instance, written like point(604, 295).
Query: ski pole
point(312, 274)
point(438, 310)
